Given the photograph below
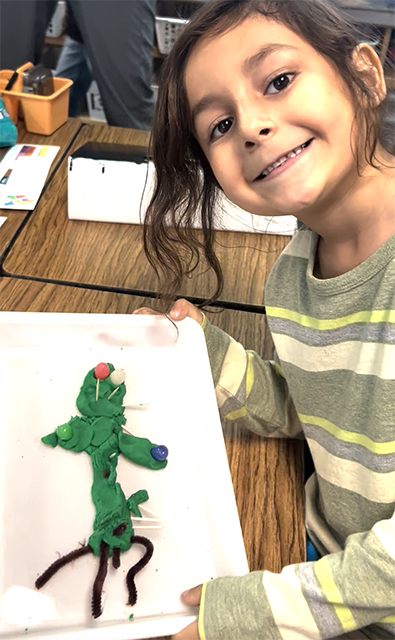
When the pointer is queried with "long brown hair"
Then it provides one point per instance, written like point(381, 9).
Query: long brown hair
point(185, 184)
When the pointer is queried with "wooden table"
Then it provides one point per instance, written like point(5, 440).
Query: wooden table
point(267, 474)
point(9, 228)
point(55, 249)
point(63, 138)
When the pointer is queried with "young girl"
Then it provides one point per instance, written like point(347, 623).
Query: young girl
point(277, 104)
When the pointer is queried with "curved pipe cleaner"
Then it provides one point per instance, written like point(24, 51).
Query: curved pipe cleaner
point(116, 558)
point(138, 566)
point(59, 563)
point(99, 581)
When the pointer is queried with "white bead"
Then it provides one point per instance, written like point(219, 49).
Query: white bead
point(118, 376)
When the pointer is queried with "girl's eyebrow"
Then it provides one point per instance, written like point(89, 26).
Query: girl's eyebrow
point(248, 65)
point(203, 104)
point(263, 53)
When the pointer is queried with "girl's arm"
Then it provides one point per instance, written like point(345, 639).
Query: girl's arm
point(337, 594)
point(248, 389)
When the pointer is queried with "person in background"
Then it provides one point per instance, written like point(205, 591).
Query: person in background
point(118, 36)
point(278, 104)
point(74, 64)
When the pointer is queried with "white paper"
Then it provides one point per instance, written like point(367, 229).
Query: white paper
point(23, 172)
point(2, 220)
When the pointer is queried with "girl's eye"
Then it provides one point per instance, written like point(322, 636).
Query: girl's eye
point(221, 128)
point(280, 83)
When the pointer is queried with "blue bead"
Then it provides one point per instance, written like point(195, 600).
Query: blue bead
point(160, 452)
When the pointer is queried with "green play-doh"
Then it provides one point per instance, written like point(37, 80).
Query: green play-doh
point(98, 432)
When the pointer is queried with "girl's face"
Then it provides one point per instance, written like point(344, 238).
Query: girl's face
point(273, 118)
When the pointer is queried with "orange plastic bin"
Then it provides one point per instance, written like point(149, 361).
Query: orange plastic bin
point(44, 114)
point(11, 102)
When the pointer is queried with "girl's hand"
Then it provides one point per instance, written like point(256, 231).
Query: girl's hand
point(192, 599)
point(181, 309)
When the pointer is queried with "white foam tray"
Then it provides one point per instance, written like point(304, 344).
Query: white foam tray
point(45, 503)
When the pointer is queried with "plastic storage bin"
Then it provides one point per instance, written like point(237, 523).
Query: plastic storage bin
point(10, 99)
point(167, 30)
point(44, 114)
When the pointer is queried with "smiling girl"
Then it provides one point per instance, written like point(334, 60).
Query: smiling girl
point(277, 104)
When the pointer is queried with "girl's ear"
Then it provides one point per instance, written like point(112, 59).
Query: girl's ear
point(369, 66)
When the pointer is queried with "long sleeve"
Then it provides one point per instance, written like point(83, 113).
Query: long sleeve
point(248, 388)
point(341, 592)
point(335, 345)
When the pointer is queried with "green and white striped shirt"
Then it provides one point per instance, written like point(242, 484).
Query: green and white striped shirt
point(332, 382)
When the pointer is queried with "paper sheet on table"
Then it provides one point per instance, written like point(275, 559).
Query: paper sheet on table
point(23, 172)
point(2, 220)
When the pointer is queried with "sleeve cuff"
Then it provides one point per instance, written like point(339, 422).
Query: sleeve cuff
point(202, 635)
point(236, 608)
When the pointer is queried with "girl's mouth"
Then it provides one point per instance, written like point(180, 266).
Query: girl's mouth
point(283, 160)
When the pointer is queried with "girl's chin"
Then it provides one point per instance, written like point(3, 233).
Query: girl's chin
point(294, 204)
point(294, 209)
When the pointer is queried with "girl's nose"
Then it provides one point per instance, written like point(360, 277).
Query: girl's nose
point(255, 125)
point(257, 137)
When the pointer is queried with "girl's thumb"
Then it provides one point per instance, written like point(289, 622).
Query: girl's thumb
point(192, 596)
point(182, 309)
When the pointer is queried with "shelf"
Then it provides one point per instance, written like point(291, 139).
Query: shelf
point(55, 42)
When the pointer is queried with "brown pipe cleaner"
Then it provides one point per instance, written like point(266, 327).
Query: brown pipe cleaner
point(61, 562)
point(116, 558)
point(116, 552)
point(138, 566)
point(99, 581)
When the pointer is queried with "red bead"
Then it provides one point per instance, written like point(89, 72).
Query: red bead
point(102, 371)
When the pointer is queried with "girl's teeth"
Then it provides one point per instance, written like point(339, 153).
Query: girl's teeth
point(281, 161)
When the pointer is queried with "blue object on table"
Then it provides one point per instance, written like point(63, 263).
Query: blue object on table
point(8, 131)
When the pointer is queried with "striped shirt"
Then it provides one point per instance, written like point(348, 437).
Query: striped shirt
point(332, 381)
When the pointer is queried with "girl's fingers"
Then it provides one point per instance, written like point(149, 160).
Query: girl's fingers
point(192, 599)
point(182, 309)
point(189, 633)
point(192, 596)
point(145, 311)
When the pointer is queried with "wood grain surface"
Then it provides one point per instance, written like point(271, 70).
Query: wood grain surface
point(267, 474)
point(56, 249)
point(9, 228)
